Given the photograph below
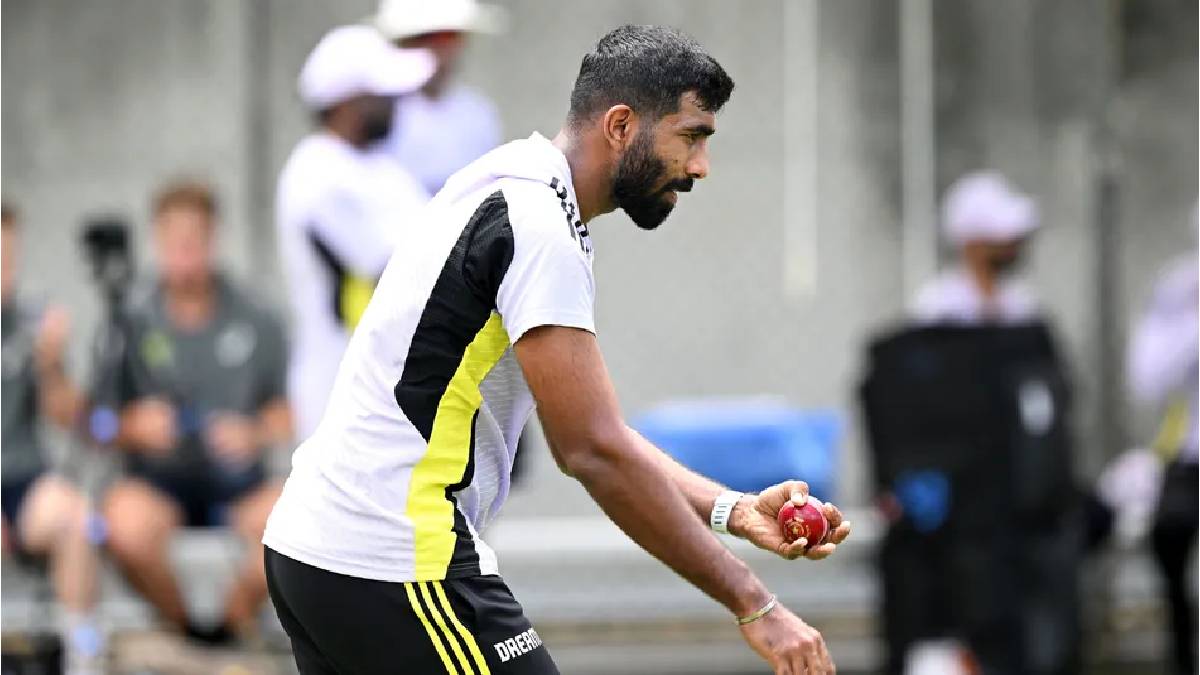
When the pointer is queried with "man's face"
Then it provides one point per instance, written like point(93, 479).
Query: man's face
point(183, 240)
point(664, 159)
point(1002, 258)
point(375, 115)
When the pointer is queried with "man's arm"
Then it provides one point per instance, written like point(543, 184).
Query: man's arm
point(58, 399)
point(591, 442)
point(754, 517)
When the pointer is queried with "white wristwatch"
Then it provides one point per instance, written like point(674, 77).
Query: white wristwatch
point(722, 509)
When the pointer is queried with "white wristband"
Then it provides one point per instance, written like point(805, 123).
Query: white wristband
point(722, 509)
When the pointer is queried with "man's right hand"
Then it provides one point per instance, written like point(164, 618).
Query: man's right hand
point(149, 426)
point(791, 646)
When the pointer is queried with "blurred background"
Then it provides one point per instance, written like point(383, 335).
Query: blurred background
point(821, 222)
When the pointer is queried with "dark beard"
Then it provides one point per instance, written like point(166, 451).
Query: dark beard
point(638, 171)
point(1004, 266)
point(376, 128)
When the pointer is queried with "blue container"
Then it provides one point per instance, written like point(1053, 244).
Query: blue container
point(749, 444)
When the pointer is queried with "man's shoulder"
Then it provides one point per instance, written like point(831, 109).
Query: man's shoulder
point(535, 205)
point(316, 161)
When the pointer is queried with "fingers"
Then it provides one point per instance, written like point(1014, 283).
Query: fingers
point(820, 552)
point(793, 550)
point(840, 533)
point(825, 661)
point(832, 514)
point(797, 491)
point(814, 657)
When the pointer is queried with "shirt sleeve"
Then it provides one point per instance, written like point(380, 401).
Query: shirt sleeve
point(549, 282)
point(1162, 351)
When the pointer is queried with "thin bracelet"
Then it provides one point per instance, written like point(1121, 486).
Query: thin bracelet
point(766, 609)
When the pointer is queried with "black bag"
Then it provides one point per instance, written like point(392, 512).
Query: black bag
point(968, 430)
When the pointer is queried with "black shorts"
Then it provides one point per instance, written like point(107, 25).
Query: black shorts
point(205, 493)
point(342, 624)
point(12, 495)
point(13, 492)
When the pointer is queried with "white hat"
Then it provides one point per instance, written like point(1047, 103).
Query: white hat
point(354, 60)
point(399, 19)
point(985, 207)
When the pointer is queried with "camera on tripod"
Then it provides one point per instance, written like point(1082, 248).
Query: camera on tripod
point(105, 243)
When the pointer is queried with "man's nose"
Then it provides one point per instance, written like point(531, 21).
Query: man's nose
point(697, 167)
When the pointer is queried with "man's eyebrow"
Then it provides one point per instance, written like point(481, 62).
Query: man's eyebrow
point(702, 129)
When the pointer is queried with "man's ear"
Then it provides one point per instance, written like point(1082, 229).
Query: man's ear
point(619, 126)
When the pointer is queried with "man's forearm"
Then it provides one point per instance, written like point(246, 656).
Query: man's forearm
point(700, 492)
point(639, 493)
point(58, 401)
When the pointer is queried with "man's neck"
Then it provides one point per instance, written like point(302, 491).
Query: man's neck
point(191, 307)
point(590, 178)
point(434, 89)
point(984, 280)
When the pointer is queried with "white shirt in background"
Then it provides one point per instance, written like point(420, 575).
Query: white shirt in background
point(433, 138)
point(339, 212)
point(954, 298)
point(1163, 360)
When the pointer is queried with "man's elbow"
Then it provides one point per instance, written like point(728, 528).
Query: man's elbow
point(592, 457)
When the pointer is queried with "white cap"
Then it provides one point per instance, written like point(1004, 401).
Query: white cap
point(984, 206)
point(353, 60)
point(399, 19)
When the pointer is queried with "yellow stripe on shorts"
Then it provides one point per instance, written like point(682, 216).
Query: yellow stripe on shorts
point(466, 636)
point(429, 629)
point(437, 617)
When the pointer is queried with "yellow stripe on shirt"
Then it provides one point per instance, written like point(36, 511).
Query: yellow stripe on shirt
point(353, 295)
point(449, 450)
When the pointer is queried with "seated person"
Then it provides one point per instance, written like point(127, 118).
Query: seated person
point(199, 394)
point(44, 514)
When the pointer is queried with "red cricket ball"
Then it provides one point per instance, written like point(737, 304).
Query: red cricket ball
point(803, 521)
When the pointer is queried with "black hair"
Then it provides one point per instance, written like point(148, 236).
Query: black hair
point(647, 68)
point(8, 215)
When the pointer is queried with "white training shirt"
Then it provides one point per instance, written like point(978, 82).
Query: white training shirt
point(340, 211)
point(954, 297)
point(413, 456)
point(1163, 365)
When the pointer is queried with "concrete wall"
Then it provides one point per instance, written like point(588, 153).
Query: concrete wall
point(103, 100)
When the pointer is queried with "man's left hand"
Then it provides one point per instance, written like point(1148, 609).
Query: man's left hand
point(755, 520)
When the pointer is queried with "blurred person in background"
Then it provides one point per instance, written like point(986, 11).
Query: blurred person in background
point(1163, 374)
point(342, 201)
point(44, 514)
point(447, 125)
point(374, 561)
point(200, 396)
point(988, 222)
